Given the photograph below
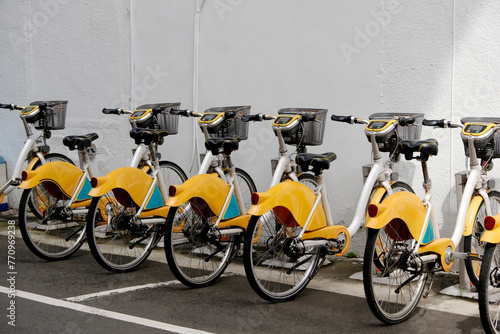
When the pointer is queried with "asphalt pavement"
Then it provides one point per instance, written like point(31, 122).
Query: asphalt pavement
point(78, 296)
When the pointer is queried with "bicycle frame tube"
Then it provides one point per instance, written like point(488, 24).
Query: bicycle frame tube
point(139, 153)
point(205, 164)
point(375, 171)
point(23, 155)
point(474, 175)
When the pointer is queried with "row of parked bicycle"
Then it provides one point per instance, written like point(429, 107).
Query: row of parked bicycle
point(287, 231)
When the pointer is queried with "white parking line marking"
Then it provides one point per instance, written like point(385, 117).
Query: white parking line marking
point(82, 298)
point(103, 313)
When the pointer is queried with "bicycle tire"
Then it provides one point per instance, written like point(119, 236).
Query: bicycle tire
point(381, 285)
point(125, 244)
point(49, 157)
point(472, 243)
point(247, 187)
point(274, 272)
point(196, 254)
point(54, 236)
point(489, 303)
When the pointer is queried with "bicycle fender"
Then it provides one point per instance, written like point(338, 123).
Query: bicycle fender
point(492, 236)
point(402, 205)
point(295, 197)
point(208, 187)
point(132, 180)
point(63, 174)
point(471, 214)
point(439, 247)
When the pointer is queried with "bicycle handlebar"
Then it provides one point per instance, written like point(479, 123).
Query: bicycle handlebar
point(115, 111)
point(404, 121)
point(345, 119)
point(441, 123)
point(257, 118)
point(186, 113)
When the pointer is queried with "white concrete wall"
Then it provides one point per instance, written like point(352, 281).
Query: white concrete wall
point(351, 57)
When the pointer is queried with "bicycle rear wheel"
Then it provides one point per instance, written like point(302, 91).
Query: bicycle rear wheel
point(472, 243)
point(52, 233)
point(393, 291)
point(277, 266)
point(489, 289)
point(197, 254)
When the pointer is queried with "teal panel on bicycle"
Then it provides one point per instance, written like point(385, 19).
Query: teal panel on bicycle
point(84, 192)
point(429, 233)
point(233, 209)
point(156, 200)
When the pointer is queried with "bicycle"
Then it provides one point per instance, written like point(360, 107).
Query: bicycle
point(206, 219)
point(294, 223)
point(395, 272)
point(57, 191)
point(123, 232)
point(40, 115)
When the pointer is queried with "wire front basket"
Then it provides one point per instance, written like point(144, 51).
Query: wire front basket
point(232, 127)
point(166, 121)
point(55, 115)
point(308, 133)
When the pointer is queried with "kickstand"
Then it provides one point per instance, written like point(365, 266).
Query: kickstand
point(430, 286)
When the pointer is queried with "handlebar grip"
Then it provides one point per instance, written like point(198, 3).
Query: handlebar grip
point(345, 119)
point(180, 112)
point(404, 121)
point(441, 123)
point(112, 111)
point(255, 118)
point(7, 106)
point(42, 106)
point(308, 117)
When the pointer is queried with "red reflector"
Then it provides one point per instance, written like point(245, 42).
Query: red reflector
point(489, 223)
point(93, 182)
point(255, 198)
point(24, 175)
point(372, 210)
point(172, 190)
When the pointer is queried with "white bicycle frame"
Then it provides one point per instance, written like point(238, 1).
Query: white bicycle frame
point(477, 180)
point(33, 145)
point(380, 173)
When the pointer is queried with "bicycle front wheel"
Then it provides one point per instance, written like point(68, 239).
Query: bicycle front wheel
point(394, 290)
point(472, 243)
point(197, 254)
point(489, 289)
point(172, 174)
point(247, 187)
point(277, 265)
point(119, 242)
point(52, 232)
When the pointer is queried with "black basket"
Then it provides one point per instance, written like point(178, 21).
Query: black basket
point(54, 118)
point(166, 121)
point(308, 133)
point(233, 127)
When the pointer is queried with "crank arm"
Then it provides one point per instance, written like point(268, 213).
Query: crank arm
point(289, 271)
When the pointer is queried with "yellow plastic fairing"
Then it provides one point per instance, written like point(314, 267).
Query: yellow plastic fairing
point(209, 187)
point(471, 214)
point(492, 236)
point(134, 181)
point(63, 174)
point(403, 205)
point(294, 197)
